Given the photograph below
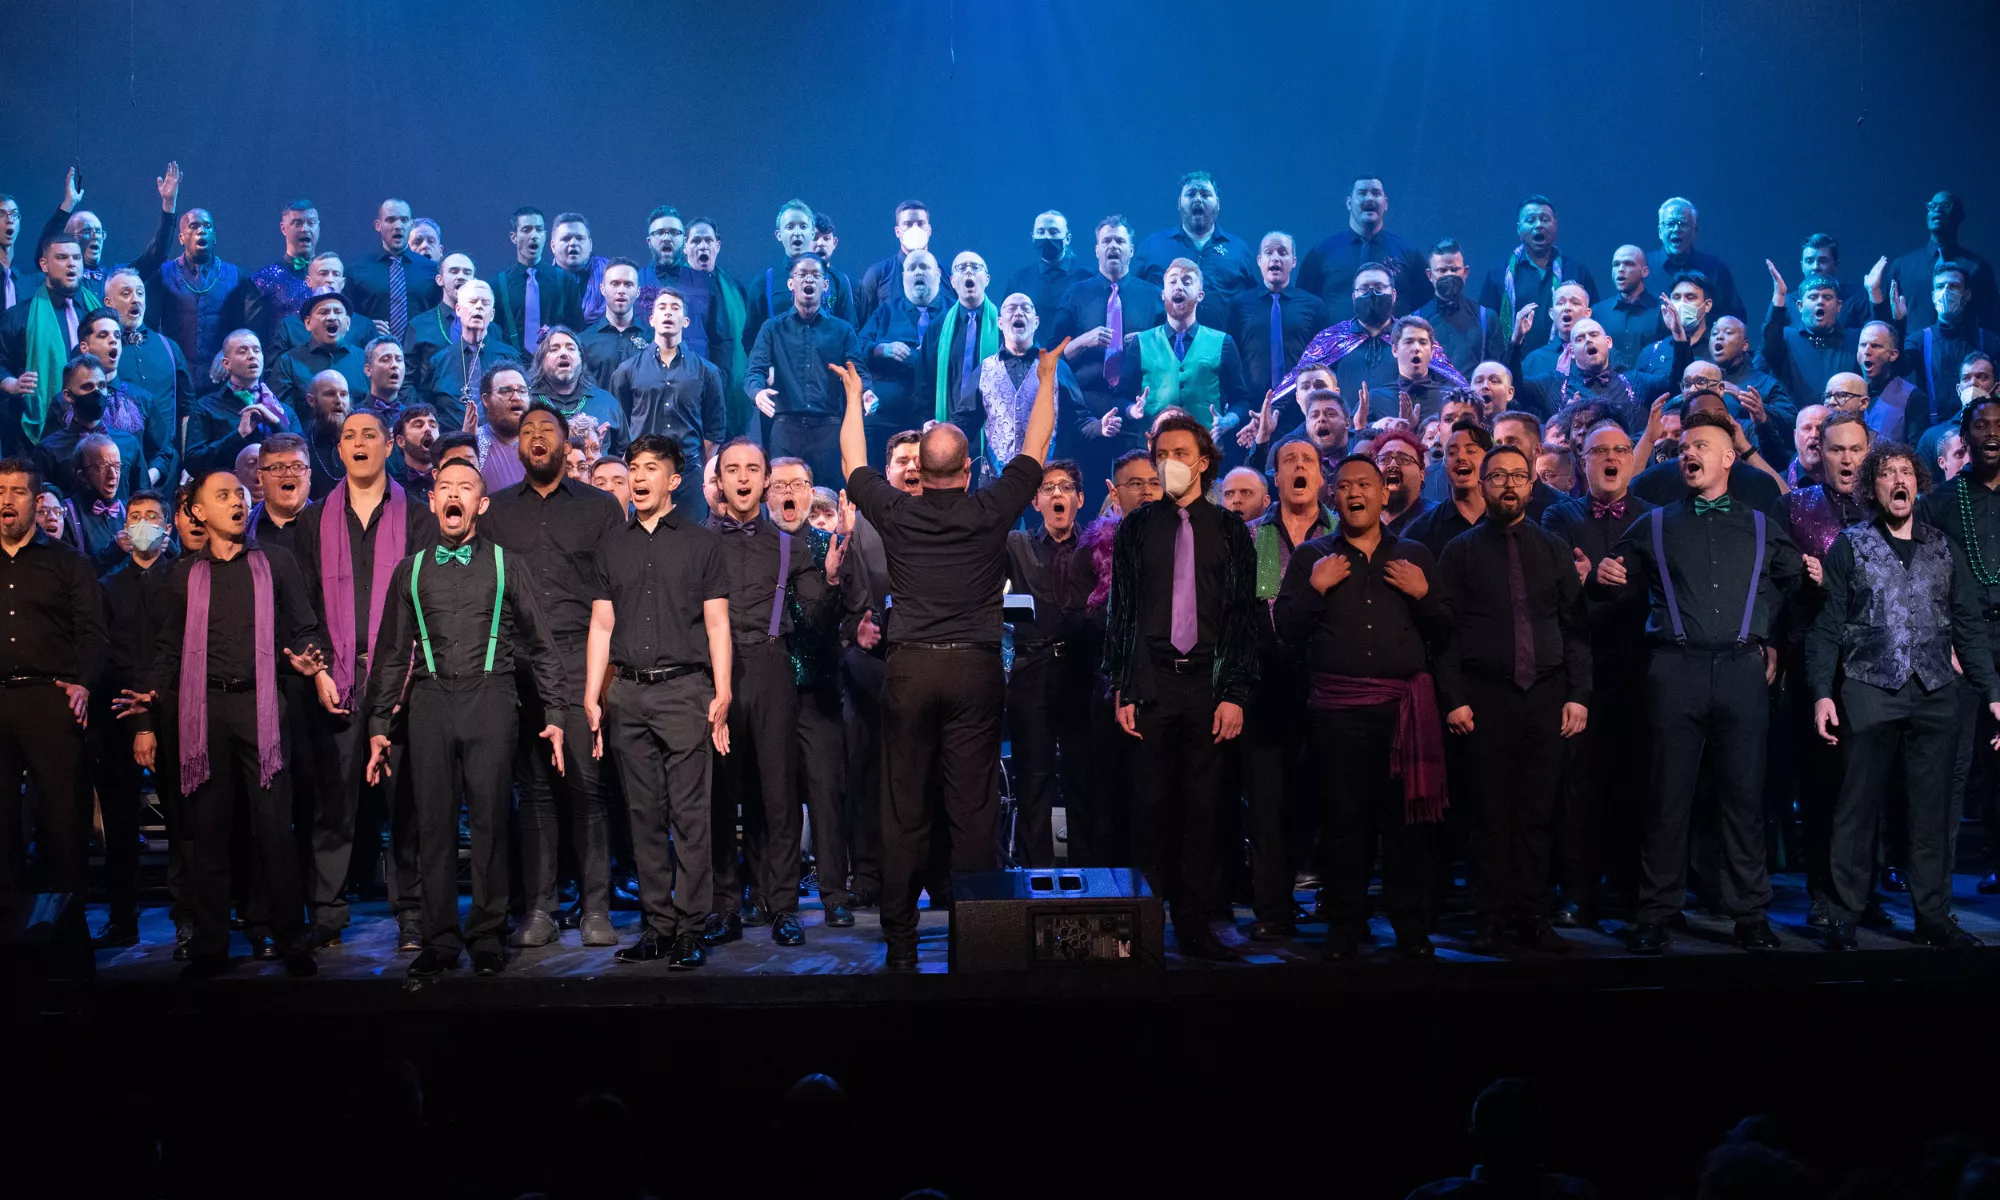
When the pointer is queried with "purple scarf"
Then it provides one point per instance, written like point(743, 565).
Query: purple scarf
point(336, 577)
point(194, 677)
point(1336, 342)
point(1417, 755)
point(1520, 255)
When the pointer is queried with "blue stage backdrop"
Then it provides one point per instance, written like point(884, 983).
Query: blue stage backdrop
point(1778, 117)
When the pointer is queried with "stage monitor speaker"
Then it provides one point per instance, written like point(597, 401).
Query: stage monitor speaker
point(1070, 917)
point(44, 937)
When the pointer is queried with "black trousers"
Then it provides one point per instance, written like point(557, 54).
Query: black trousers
point(861, 712)
point(1813, 773)
point(234, 785)
point(1350, 751)
point(342, 796)
point(658, 734)
point(761, 777)
point(1975, 768)
point(1600, 806)
point(119, 781)
point(1875, 725)
point(1274, 771)
point(41, 743)
point(822, 777)
point(462, 741)
point(941, 713)
point(1176, 791)
point(1048, 724)
point(811, 436)
point(546, 796)
point(1713, 704)
point(1515, 751)
point(1102, 836)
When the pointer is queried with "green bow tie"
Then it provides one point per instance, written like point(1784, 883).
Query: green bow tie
point(301, 262)
point(462, 556)
point(1719, 504)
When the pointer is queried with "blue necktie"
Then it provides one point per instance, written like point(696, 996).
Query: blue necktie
point(399, 299)
point(923, 325)
point(531, 313)
point(1277, 341)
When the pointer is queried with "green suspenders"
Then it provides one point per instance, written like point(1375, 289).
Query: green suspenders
point(492, 633)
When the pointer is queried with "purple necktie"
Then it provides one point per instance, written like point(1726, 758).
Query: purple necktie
point(8, 274)
point(1277, 341)
point(1114, 354)
point(923, 325)
point(531, 313)
point(968, 371)
point(399, 299)
point(1517, 596)
point(1183, 634)
point(69, 323)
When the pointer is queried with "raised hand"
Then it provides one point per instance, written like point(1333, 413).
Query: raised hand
point(1110, 423)
point(1753, 405)
point(1656, 419)
point(1778, 289)
point(1407, 578)
point(1328, 572)
point(1899, 307)
point(1046, 362)
point(1524, 320)
point(1671, 318)
point(1138, 410)
point(1406, 408)
point(1361, 407)
point(72, 194)
point(169, 186)
point(1873, 280)
point(1611, 571)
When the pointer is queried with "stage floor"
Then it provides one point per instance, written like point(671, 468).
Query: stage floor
point(846, 965)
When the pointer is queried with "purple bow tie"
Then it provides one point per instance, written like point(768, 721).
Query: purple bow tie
point(1614, 510)
point(103, 508)
point(726, 524)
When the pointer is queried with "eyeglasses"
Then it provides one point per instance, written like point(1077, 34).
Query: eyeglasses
point(1513, 478)
point(1139, 483)
point(1608, 452)
point(1833, 397)
point(1056, 489)
point(1371, 289)
point(1403, 457)
point(285, 469)
point(786, 487)
point(510, 393)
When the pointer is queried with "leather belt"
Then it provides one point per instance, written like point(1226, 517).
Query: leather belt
point(654, 674)
point(230, 683)
point(21, 681)
point(1184, 666)
point(988, 647)
point(1056, 647)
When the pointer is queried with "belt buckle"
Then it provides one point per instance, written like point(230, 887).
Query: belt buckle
point(1056, 650)
point(1182, 665)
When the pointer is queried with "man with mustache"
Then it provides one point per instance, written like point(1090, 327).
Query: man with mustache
point(387, 372)
point(667, 266)
point(557, 378)
point(1596, 825)
point(1465, 330)
point(1464, 450)
point(1975, 378)
point(1532, 273)
point(1679, 227)
point(1716, 572)
point(1326, 423)
point(1899, 611)
point(232, 614)
point(278, 289)
point(1400, 458)
point(530, 294)
point(784, 379)
point(899, 333)
point(1967, 512)
point(553, 530)
point(657, 689)
point(1806, 465)
point(85, 225)
point(1225, 260)
point(284, 475)
point(1330, 267)
point(1805, 358)
point(326, 273)
point(37, 336)
point(415, 434)
point(348, 548)
point(461, 618)
point(326, 407)
point(55, 645)
point(1007, 385)
point(456, 372)
point(504, 398)
point(1274, 769)
point(666, 390)
point(1514, 680)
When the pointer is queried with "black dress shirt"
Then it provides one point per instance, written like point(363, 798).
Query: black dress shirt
point(1943, 507)
point(1468, 333)
point(701, 300)
point(265, 532)
point(560, 295)
point(1722, 290)
point(766, 298)
point(657, 582)
point(1474, 580)
point(1082, 309)
point(1328, 271)
point(458, 603)
point(1710, 556)
point(1804, 359)
point(1156, 597)
point(559, 537)
point(903, 405)
point(157, 375)
point(800, 350)
point(53, 622)
point(1228, 267)
point(947, 551)
point(1439, 524)
point(1044, 283)
point(682, 401)
point(1532, 285)
point(606, 347)
point(1618, 628)
point(1912, 272)
point(1361, 627)
point(1039, 566)
point(1632, 325)
point(451, 377)
point(430, 331)
point(1300, 314)
point(420, 532)
point(132, 606)
point(232, 617)
point(750, 552)
point(368, 283)
point(1662, 483)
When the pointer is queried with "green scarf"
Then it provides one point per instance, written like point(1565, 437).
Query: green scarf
point(46, 356)
point(989, 345)
point(1270, 568)
point(731, 359)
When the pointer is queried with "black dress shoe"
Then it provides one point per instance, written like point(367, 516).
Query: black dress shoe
point(650, 947)
point(1756, 935)
point(1208, 948)
point(1299, 914)
point(1540, 934)
point(625, 892)
point(1989, 884)
point(1875, 917)
point(687, 953)
point(1488, 940)
point(323, 937)
point(409, 934)
point(722, 928)
point(432, 963)
point(1893, 880)
point(1647, 938)
point(264, 948)
point(902, 961)
point(1566, 916)
point(1840, 936)
point(299, 964)
point(207, 966)
point(786, 930)
point(1339, 946)
point(840, 917)
point(755, 914)
point(1272, 931)
point(1415, 945)
point(488, 962)
point(116, 935)
point(1948, 936)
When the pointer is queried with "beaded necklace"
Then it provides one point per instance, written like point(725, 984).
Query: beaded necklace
point(189, 277)
point(1987, 576)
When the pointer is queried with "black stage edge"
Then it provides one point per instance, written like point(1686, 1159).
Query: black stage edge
point(1350, 1080)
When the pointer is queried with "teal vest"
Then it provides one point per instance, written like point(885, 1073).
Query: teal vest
point(1193, 383)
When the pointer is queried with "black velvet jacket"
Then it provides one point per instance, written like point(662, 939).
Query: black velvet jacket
point(1125, 660)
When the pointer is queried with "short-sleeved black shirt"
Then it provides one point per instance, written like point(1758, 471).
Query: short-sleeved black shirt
point(657, 581)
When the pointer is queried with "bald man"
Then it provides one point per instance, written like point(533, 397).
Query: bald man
point(968, 333)
point(327, 403)
point(1244, 493)
point(1007, 385)
point(451, 377)
point(1592, 377)
point(1631, 315)
point(1896, 408)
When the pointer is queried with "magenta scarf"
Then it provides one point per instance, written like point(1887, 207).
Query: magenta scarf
point(336, 577)
point(194, 676)
point(1417, 755)
point(1336, 342)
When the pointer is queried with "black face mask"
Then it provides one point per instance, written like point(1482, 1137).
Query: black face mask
point(1373, 308)
point(1051, 249)
point(1449, 288)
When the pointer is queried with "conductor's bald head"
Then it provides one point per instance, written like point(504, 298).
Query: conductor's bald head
point(942, 460)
